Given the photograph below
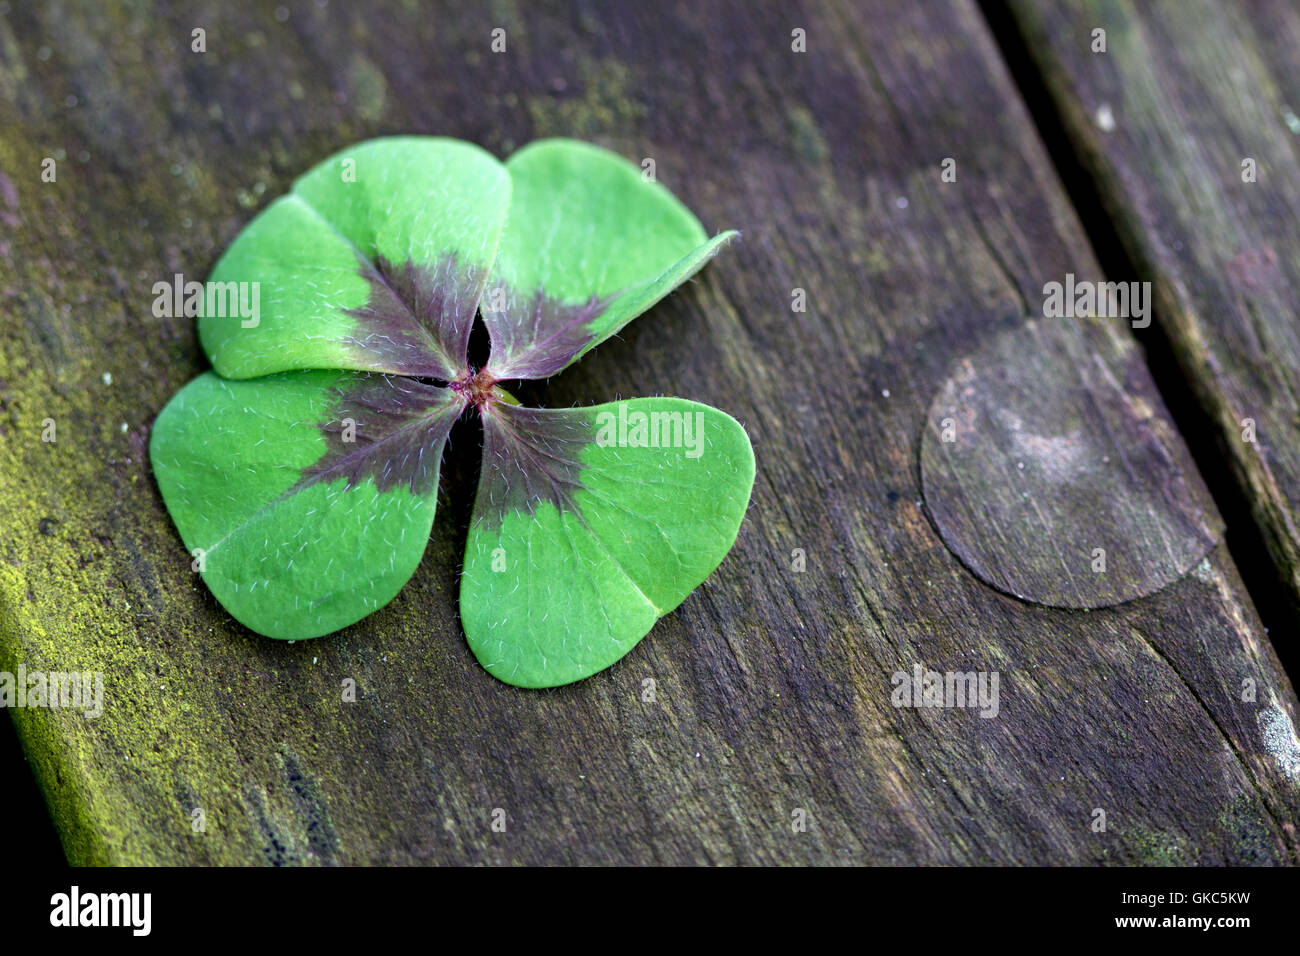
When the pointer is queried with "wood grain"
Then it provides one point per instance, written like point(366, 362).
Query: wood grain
point(773, 686)
point(1050, 467)
point(1194, 90)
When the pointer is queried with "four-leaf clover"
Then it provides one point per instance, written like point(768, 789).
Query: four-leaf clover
point(303, 472)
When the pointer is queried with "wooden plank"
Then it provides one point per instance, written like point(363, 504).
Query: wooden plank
point(1187, 123)
point(773, 686)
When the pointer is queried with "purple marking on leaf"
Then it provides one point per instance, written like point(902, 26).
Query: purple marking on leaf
point(538, 337)
point(417, 319)
point(530, 456)
point(397, 428)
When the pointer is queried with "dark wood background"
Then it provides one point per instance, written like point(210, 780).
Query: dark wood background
point(772, 685)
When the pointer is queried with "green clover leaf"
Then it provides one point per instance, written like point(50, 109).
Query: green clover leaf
point(303, 473)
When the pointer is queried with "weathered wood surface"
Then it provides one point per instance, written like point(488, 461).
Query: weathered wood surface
point(1186, 93)
point(1046, 471)
point(773, 686)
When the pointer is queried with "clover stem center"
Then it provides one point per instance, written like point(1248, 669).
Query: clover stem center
point(475, 387)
